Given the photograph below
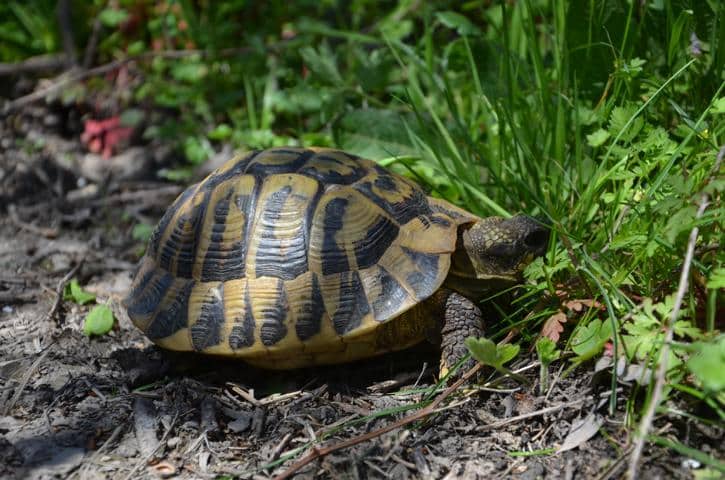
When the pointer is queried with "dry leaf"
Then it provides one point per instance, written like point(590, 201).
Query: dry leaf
point(163, 469)
point(581, 431)
point(578, 305)
point(554, 326)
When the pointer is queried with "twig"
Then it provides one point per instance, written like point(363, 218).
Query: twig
point(42, 231)
point(24, 381)
point(61, 286)
point(33, 64)
point(90, 51)
point(65, 24)
point(420, 414)
point(277, 397)
point(661, 372)
point(244, 394)
point(280, 446)
point(612, 468)
point(526, 416)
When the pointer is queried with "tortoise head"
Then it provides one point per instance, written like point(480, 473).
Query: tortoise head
point(493, 252)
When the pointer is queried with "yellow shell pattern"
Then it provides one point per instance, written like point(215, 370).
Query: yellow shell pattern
point(292, 257)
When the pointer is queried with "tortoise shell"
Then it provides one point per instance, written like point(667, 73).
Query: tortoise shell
point(291, 255)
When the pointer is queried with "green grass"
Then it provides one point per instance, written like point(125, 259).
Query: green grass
point(604, 117)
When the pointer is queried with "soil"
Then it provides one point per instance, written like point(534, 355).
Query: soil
point(115, 406)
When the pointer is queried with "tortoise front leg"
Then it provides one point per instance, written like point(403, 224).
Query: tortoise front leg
point(461, 319)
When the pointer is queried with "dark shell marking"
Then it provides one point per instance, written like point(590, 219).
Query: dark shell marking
point(281, 214)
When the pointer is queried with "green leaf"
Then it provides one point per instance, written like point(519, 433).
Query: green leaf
point(197, 149)
point(221, 132)
point(373, 134)
point(458, 22)
point(717, 279)
point(75, 293)
point(189, 72)
point(112, 18)
point(679, 222)
point(136, 48)
point(142, 232)
point(597, 138)
point(718, 106)
point(708, 364)
point(322, 63)
point(397, 30)
point(589, 339)
point(488, 353)
point(547, 351)
point(618, 122)
point(99, 321)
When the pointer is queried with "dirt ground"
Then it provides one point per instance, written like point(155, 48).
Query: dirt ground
point(118, 407)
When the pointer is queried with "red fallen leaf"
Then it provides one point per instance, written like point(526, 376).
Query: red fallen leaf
point(91, 128)
point(113, 137)
point(95, 145)
point(104, 136)
point(609, 349)
point(554, 326)
point(577, 305)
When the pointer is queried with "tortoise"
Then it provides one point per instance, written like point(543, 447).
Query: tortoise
point(294, 257)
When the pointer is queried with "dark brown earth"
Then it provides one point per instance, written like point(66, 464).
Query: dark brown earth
point(117, 407)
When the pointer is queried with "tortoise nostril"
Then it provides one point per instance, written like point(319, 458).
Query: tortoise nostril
point(537, 240)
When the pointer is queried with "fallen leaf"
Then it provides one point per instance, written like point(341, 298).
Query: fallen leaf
point(577, 305)
point(163, 469)
point(554, 326)
point(581, 431)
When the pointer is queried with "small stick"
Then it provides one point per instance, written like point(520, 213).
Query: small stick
point(244, 394)
point(280, 446)
point(45, 232)
point(61, 286)
point(33, 64)
point(526, 416)
point(24, 381)
point(275, 397)
point(420, 414)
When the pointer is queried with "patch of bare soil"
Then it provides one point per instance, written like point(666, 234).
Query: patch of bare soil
point(117, 407)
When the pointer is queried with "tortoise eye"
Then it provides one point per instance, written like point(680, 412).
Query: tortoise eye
point(537, 240)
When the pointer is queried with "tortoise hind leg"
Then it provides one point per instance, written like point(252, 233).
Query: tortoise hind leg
point(461, 318)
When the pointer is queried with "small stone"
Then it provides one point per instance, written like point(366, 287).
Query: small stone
point(691, 464)
point(173, 442)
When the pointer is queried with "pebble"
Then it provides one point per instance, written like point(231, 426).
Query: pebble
point(173, 442)
point(691, 464)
